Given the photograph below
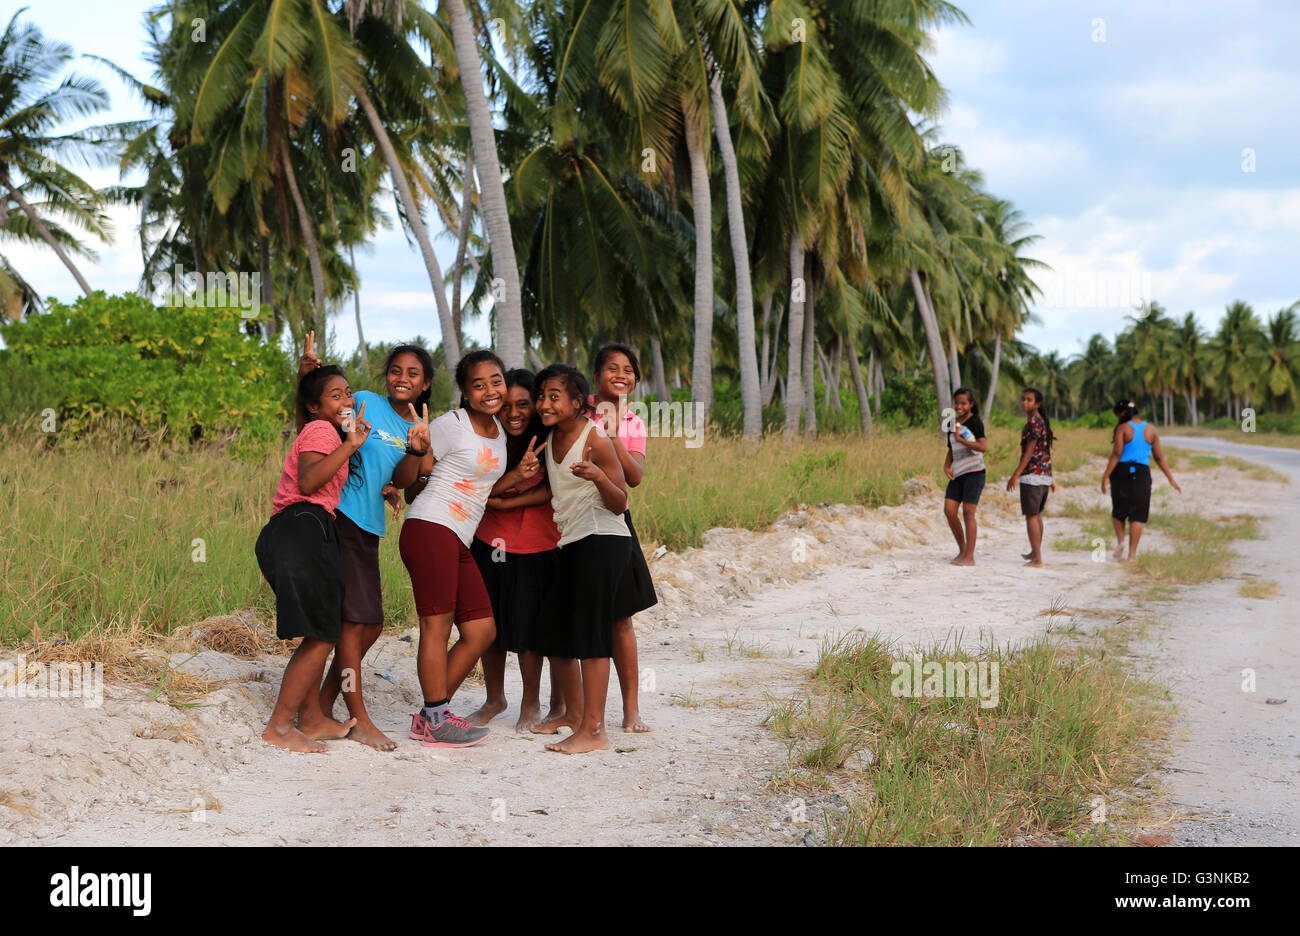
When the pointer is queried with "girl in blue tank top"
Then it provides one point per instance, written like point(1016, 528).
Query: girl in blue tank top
point(1129, 474)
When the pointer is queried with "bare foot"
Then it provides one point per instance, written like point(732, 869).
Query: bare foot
point(367, 733)
point(327, 729)
point(529, 714)
point(292, 739)
point(1027, 555)
point(486, 712)
point(580, 744)
point(632, 722)
point(1035, 563)
point(1118, 553)
point(964, 561)
point(553, 722)
point(955, 558)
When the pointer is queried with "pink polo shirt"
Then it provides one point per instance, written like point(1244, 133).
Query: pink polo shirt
point(631, 432)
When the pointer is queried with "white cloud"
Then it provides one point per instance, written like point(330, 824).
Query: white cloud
point(961, 57)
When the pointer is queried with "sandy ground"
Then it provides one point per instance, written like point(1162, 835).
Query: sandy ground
point(740, 623)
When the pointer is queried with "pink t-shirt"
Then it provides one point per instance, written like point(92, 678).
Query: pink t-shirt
point(631, 431)
point(319, 435)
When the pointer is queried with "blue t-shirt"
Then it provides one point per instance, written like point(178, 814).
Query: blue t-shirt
point(379, 454)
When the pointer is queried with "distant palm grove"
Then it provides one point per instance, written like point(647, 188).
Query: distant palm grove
point(751, 194)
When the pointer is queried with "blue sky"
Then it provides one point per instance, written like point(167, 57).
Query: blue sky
point(1125, 155)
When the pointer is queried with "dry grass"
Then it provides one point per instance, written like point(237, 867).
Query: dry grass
point(1256, 589)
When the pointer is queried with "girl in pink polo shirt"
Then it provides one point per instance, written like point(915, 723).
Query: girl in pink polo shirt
point(616, 374)
point(298, 553)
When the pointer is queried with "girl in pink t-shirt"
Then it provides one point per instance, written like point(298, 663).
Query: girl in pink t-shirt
point(298, 553)
point(616, 374)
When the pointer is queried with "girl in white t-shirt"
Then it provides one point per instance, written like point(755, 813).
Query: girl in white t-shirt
point(467, 454)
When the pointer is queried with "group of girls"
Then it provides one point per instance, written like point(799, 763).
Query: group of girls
point(1127, 470)
point(518, 535)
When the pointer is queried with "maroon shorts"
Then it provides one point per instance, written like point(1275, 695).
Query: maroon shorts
point(444, 575)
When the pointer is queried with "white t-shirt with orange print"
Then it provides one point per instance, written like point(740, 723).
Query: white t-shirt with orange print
point(465, 468)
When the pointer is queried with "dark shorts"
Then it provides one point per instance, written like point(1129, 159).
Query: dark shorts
point(966, 488)
point(298, 553)
point(1033, 498)
point(363, 601)
point(516, 584)
point(636, 592)
point(580, 619)
point(1130, 492)
point(444, 575)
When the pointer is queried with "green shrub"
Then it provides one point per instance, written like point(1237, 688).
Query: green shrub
point(185, 373)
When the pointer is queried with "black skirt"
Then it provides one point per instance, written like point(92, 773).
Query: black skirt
point(298, 553)
point(517, 587)
point(1130, 492)
point(637, 590)
point(579, 624)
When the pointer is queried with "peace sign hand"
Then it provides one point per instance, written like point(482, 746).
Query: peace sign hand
point(587, 468)
point(417, 436)
point(358, 429)
point(309, 361)
point(529, 465)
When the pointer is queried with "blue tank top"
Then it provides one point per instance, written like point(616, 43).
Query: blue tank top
point(1139, 450)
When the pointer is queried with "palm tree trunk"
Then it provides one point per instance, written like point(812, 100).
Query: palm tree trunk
point(462, 243)
point(356, 308)
point(447, 325)
point(509, 314)
point(271, 325)
point(702, 207)
point(824, 368)
point(309, 238)
point(46, 236)
point(938, 363)
point(993, 380)
point(750, 387)
point(859, 386)
point(953, 363)
point(764, 364)
point(793, 386)
point(661, 377)
point(878, 387)
point(808, 370)
point(769, 387)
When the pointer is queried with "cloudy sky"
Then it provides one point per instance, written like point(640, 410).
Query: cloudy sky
point(1153, 145)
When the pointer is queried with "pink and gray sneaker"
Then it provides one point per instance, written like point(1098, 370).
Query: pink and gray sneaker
point(451, 731)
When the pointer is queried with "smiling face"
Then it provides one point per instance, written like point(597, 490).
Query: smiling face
point(517, 411)
point(617, 376)
point(406, 380)
point(336, 403)
point(485, 388)
point(554, 402)
point(961, 403)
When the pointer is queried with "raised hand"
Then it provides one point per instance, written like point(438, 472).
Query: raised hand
point(309, 361)
point(587, 468)
point(358, 429)
point(417, 437)
point(529, 465)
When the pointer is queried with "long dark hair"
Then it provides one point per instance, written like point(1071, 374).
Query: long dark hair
point(517, 445)
point(310, 387)
point(575, 384)
point(1047, 423)
point(970, 395)
point(426, 361)
point(468, 362)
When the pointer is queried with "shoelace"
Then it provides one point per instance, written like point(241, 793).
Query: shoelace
point(458, 722)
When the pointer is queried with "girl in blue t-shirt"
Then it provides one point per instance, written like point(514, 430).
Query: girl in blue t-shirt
point(399, 437)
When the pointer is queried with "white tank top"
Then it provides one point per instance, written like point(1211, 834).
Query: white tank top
point(579, 509)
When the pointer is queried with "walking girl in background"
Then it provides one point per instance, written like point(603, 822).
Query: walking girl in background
point(617, 373)
point(589, 494)
point(516, 551)
point(1034, 473)
point(399, 437)
point(298, 553)
point(466, 457)
point(964, 466)
point(1129, 473)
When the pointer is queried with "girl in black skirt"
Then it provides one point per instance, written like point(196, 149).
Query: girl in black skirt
point(588, 495)
point(617, 374)
point(515, 548)
point(298, 553)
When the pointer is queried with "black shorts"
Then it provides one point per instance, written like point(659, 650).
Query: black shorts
point(363, 601)
point(579, 623)
point(516, 584)
point(966, 488)
point(1130, 492)
point(636, 592)
point(298, 553)
point(1033, 498)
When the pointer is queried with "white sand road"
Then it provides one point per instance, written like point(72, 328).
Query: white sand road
point(741, 622)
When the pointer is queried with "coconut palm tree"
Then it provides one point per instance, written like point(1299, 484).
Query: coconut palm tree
point(1281, 374)
point(1236, 352)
